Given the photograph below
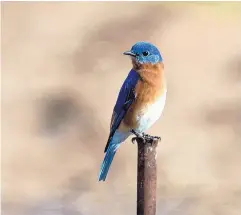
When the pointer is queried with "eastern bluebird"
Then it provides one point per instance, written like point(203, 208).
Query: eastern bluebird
point(140, 102)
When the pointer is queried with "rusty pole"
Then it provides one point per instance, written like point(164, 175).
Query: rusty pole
point(146, 176)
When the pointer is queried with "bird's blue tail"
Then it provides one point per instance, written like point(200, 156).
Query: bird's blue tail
point(105, 166)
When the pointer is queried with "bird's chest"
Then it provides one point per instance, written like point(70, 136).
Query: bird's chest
point(149, 113)
point(143, 113)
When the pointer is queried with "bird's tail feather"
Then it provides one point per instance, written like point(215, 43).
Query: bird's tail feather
point(105, 166)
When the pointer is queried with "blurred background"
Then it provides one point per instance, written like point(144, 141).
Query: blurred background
point(62, 68)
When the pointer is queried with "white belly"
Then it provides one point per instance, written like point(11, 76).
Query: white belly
point(150, 114)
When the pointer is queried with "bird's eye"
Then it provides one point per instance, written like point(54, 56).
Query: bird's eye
point(145, 53)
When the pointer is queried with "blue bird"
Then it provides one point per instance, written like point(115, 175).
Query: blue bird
point(140, 102)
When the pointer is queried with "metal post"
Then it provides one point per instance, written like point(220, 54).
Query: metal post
point(146, 177)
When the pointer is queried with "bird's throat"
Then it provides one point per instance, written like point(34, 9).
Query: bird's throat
point(152, 74)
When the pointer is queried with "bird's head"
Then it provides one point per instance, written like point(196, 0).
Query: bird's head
point(144, 53)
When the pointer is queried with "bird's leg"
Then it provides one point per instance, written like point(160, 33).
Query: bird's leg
point(138, 135)
point(145, 137)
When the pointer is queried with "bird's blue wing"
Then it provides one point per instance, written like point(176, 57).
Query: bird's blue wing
point(125, 98)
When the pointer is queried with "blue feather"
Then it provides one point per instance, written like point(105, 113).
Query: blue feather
point(146, 53)
point(125, 98)
point(128, 85)
point(114, 144)
point(110, 153)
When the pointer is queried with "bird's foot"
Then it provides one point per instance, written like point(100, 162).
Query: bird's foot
point(145, 137)
point(149, 138)
point(138, 136)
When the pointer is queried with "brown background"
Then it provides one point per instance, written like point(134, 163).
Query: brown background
point(62, 69)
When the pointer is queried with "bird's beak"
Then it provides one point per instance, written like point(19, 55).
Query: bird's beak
point(129, 53)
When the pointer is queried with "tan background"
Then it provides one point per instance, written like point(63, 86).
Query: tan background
point(62, 69)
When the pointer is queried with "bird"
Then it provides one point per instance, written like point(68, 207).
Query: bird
point(140, 101)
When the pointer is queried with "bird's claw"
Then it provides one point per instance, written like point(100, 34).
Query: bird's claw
point(149, 138)
point(137, 138)
point(145, 137)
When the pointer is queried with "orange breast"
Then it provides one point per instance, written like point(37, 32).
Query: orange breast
point(148, 89)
